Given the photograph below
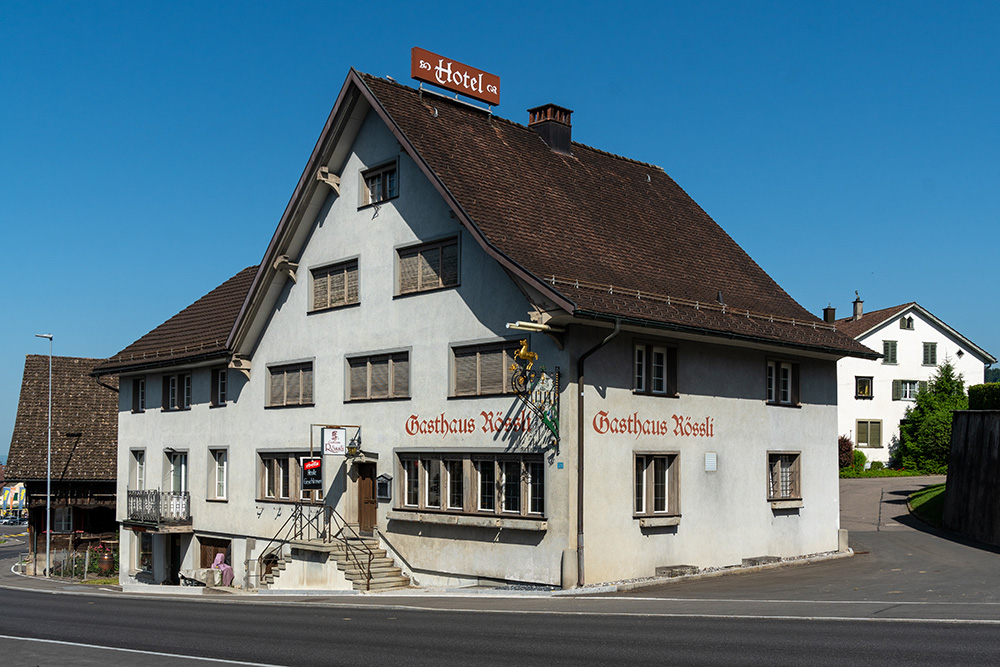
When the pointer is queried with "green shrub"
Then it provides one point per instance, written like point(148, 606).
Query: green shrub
point(925, 432)
point(859, 461)
point(984, 396)
point(877, 465)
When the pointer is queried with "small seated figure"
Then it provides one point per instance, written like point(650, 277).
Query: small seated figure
point(227, 570)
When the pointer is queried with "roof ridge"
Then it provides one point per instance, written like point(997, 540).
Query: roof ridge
point(513, 122)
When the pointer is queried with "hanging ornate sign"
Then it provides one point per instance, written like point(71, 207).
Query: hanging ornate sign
point(537, 389)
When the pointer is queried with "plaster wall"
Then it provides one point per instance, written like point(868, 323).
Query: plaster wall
point(724, 515)
point(909, 366)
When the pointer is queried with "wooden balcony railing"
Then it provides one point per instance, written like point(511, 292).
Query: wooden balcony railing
point(159, 507)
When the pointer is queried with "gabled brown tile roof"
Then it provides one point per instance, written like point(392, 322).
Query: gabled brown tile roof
point(84, 422)
point(615, 237)
point(197, 332)
point(868, 321)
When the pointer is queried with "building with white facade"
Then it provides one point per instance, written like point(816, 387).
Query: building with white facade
point(873, 394)
point(683, 407)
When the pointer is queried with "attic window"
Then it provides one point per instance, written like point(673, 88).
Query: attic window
point(379, 184)
point(906, 323)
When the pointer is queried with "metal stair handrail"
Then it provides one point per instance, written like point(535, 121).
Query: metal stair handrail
point(308, 526)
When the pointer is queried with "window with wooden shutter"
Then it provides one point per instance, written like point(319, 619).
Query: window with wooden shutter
point(335, 285)
point(869, 433)
point(483, 370)
point(888, 352)
point(382, 376)
point(784, 475)
point(428, 267)
point(290, 385)
point(930, 354)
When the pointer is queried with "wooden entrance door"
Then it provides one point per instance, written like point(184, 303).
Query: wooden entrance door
point(366, 497)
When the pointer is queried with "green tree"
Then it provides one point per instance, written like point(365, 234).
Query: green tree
point(926, 431)
point(992, 375)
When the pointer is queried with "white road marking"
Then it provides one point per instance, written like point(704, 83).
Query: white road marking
point(220, 661)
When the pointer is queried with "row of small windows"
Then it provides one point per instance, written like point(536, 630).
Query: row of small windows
point(890, 350)
point(478, 370)
point(177, 393)
point(421, 268)
point(902, 390)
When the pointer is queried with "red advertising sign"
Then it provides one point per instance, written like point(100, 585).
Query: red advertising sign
point(453, 75)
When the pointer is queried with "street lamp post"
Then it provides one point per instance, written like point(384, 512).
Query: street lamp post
point(48, 471)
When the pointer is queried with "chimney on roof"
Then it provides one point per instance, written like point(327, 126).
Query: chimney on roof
point(552, 123)
point(858, 310)
point(829, 314)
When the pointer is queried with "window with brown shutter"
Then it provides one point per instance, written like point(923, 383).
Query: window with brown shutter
point(378, 376)
point(483, 370)
point(335, 286)
point(784, 476)
point(428, 267)
point(290, 385)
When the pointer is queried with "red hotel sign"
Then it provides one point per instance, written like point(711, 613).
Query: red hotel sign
point(453, 75)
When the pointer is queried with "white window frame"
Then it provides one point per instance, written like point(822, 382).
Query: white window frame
point(139, 394)
point(512, 485)
point(62, 519)
point(647, 498)
point(908, 390)
point(178, 469)
point(781, 382)
point(220, 473)
point(138, 464)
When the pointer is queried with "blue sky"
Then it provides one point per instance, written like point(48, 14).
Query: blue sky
point(147, 150)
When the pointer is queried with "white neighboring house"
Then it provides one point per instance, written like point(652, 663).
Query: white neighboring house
point(873, 395)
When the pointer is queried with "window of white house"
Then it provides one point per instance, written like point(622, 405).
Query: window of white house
point(62, 520)
point(869, 432)
point(335, 285)
point(177, 391)
point(291, 384)
point(178, 466)
point(378, 376)
point(782, 383)
point(863, 387)
point(503, 484)
point(906, 390)
point(137, 474)
point(784, 476)
point(655, 369)
point(888, 352)
point(428, 266)
point(379, 184)
point(220, 474)
point(220, 386)
point(656, 484)
point(483, 370)
point(930, 354)
point(138, 394)
point(280, 477)
point(906, 323)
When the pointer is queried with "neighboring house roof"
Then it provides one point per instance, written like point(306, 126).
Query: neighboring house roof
point(84, 422)
point(602, 236)
point(868, 322)
point(197, 332)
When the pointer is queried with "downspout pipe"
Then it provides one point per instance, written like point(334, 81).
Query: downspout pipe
point(579, 440)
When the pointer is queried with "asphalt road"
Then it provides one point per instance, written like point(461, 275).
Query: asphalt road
point(909, 597)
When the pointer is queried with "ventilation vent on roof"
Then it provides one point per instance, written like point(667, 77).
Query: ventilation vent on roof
point(552, 123)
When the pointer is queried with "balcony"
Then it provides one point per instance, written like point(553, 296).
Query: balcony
point(159, 511)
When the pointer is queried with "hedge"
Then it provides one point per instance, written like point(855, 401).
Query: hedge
point(984, 396)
